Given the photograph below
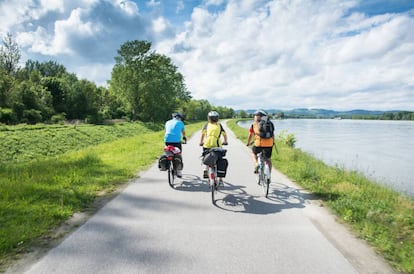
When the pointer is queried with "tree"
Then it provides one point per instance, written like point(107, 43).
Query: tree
point(6, 85)
point(197, 110)
point(46, 69)
point(147, 83)
point(9, 55)
point(243, 114)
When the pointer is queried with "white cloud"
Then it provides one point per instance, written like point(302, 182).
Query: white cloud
point(295, 54)
point(159, 25)
point(180, 6)
point(130, 7)
point(242, 54)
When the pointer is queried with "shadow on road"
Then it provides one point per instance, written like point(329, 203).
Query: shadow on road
point(234, 198)
point(191, 183)
point(237, 200)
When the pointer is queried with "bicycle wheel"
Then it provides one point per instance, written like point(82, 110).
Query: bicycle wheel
point(213, 184)
point(266, 181)
point(263, 183)
point(171, 175)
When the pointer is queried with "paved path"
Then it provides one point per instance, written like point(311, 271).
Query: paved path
point(152, 228)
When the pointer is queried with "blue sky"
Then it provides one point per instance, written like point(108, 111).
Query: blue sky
point(244, 54)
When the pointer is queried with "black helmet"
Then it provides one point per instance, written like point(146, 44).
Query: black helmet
point(178, 115)
point(260, 113)
point(213, 116)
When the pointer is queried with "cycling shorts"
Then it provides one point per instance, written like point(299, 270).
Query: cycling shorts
point(174, 144)
point(267, 151)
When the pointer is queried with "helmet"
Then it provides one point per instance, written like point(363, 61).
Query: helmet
point(213, 116)
point(260, 113)
point(178, 115)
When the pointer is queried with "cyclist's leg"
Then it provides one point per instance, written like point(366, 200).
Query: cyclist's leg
point(205, 170)
point(255, 151)
point(268, 154)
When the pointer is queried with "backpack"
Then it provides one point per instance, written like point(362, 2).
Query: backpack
point(217, 138)
point(266, 129)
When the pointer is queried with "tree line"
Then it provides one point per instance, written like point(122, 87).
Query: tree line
point(144, 85)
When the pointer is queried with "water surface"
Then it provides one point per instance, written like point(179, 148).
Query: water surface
point(382, 150)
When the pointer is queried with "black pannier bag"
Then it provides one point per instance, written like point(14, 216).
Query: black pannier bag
point(210, 158)
point(163, 163)
point(222, 165)
point(177, 162)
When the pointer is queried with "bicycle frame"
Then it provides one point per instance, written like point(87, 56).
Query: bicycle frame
point(213, 179)
point(170, 152)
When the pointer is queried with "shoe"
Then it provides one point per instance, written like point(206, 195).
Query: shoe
point(179, 173)
point(205, 175)
point(221, 182)
point(256, 169)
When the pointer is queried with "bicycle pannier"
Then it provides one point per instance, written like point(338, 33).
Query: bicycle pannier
point(177, 162)
point(210, 158)
point(163, 163)
point(222, 165)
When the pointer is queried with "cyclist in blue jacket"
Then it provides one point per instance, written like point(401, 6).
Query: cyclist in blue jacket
point(174, 131)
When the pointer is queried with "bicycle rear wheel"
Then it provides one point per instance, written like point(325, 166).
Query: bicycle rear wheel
point(213, 184)
point(266, 179)
point(265, 186)
point(171, 175)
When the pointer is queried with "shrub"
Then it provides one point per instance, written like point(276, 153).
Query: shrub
point(58, 118)
point(32, 116)
point(7, 116)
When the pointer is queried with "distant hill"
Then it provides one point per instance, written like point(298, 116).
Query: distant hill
point(323, 113)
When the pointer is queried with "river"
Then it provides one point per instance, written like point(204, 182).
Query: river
point(382, 150)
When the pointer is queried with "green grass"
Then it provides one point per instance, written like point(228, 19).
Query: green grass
point(24, 143)
point(36, 196)
point(381, 216)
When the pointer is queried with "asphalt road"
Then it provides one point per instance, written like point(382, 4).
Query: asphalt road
point(152, 228)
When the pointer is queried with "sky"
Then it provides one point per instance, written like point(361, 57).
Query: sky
point(243, 54)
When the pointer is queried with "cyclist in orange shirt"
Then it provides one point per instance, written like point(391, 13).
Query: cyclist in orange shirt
point(260, 143)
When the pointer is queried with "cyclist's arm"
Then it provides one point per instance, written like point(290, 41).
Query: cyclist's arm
point(249, 137)
point(203, 133)
point(184, 135)
point(224, 136)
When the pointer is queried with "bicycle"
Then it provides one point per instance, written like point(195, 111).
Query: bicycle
point(171, 153)
point(210, 158)
point(263, 177)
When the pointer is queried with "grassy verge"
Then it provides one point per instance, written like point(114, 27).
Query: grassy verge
point(37, 196)
point(379, 215)
point(31, 142)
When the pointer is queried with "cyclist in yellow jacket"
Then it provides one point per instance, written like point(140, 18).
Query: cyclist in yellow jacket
point(211, 134)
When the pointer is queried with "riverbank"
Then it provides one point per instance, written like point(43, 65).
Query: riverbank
point(381, 216)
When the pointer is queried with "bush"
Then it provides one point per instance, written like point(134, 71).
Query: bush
point(7, 116)
point(32, 116)
point(58, 118)
point(287, 138)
